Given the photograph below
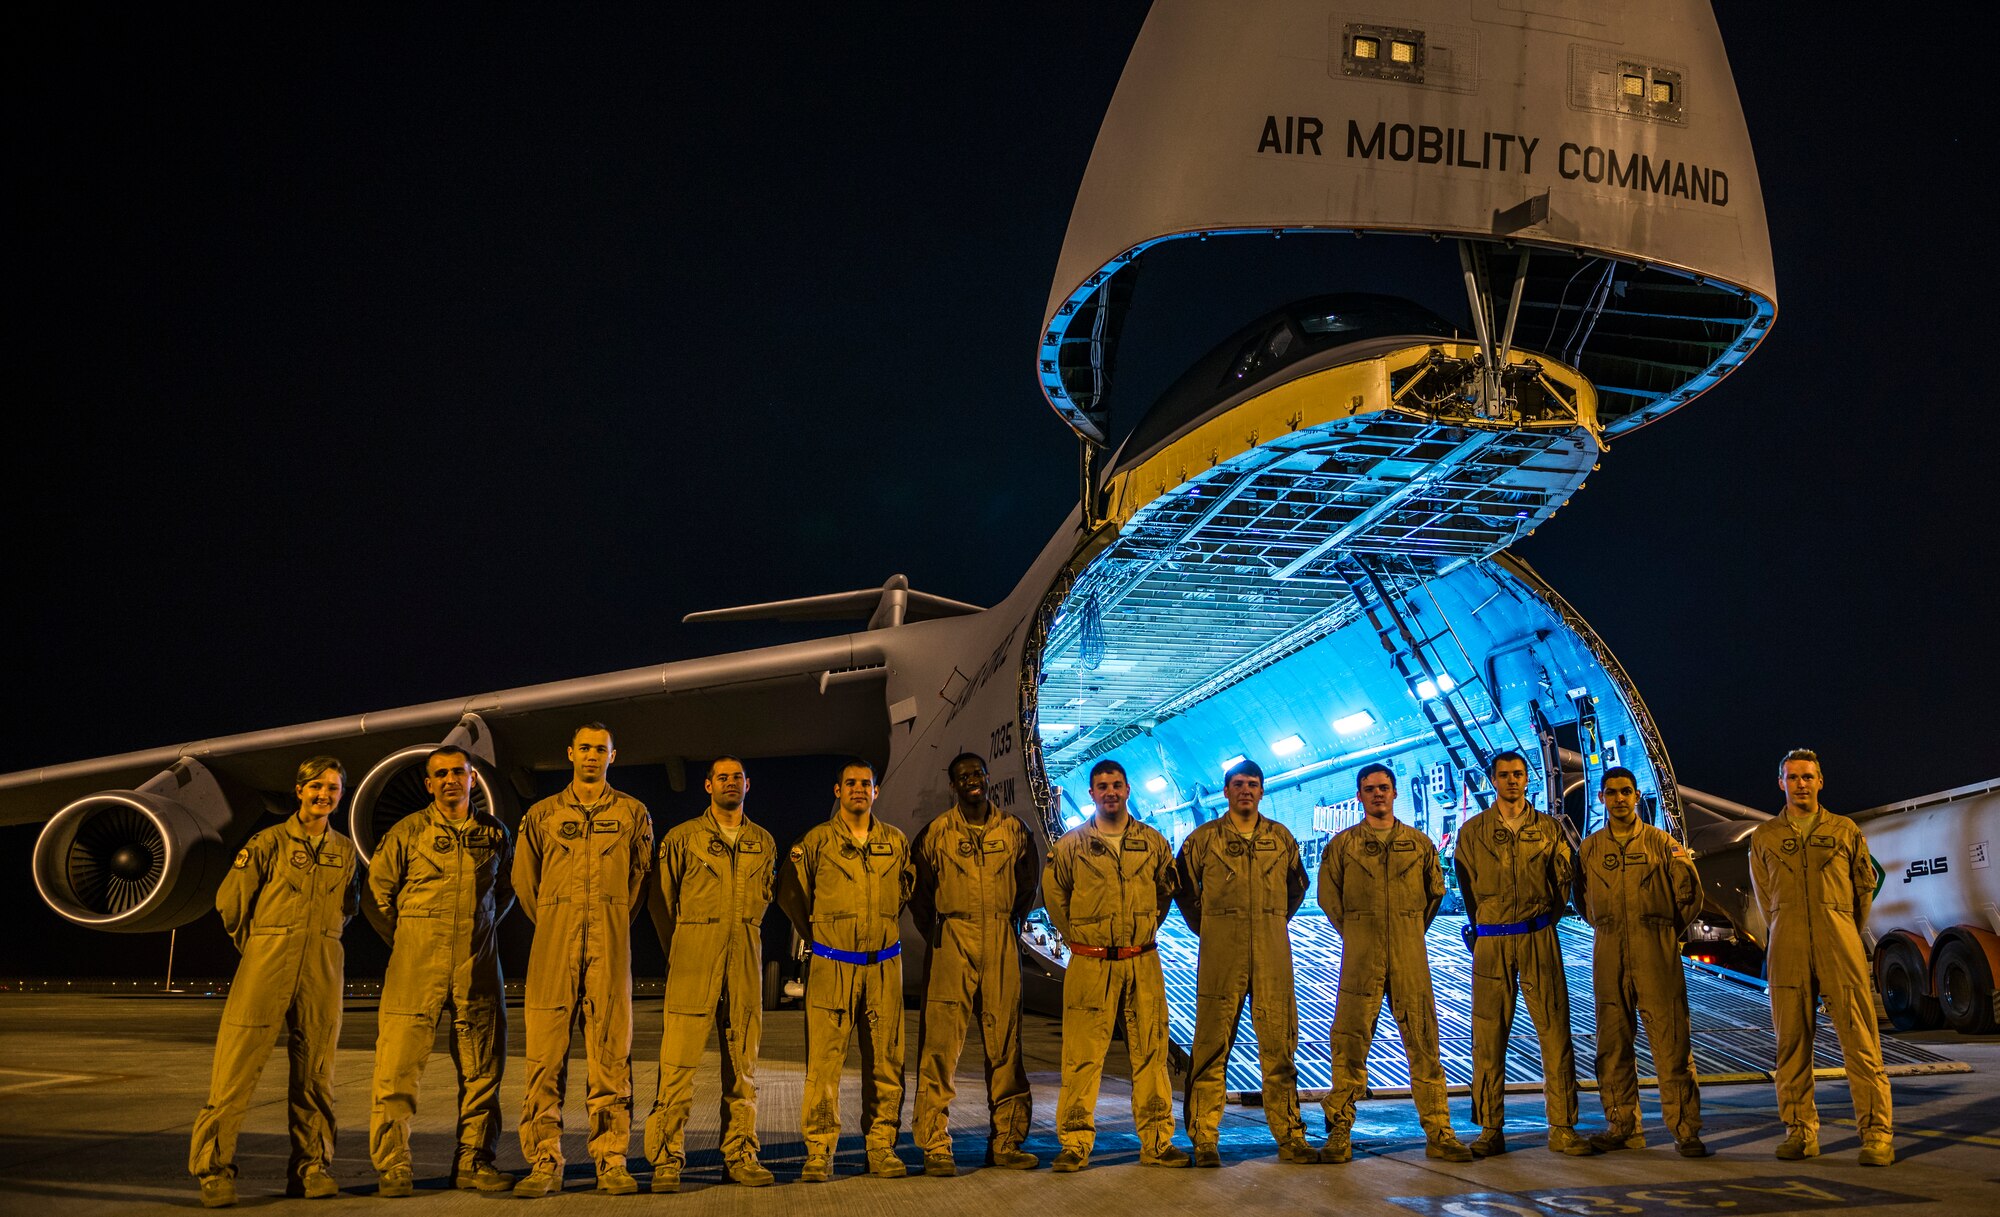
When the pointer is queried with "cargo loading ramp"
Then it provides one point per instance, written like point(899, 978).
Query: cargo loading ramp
point(1730, 1019)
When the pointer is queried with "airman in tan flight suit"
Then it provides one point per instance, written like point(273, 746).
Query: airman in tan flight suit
point(1815, 882)
point(844, 886)
point(1241, 879)
point(580, 864)
point(1638, 889)
point(1514, 870)
point(284, 903)
point(1380, 885)
point(436, 886)
point(717, 875)
point(1108, 884)
point(975, 881)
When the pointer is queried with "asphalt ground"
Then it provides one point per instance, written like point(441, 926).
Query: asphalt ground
point(98, 1091)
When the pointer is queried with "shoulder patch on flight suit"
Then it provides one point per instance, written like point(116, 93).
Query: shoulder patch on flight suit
point(569, 830)
point(242, 858)
point(604, 826)
point(798, 853)
point(301, 859)
point(1790, 845)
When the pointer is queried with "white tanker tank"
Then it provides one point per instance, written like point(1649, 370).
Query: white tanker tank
point(1936, 919)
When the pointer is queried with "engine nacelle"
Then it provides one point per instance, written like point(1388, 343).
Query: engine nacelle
point(394, 788)
point(136, 861)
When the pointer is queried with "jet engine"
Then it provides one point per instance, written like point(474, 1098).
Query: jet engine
point(136, 861)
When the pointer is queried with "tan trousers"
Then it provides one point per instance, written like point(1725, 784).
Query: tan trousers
point(1095, 992)
point(312, 1029)
point(959, 995)
point(478, 1051)
point(1277, 1026)
point(1505, 968)
point(842, 998)
point(1659, 992)
point(606, 1015)
point(1852, 1012)
point(739, 1014)
point(1354, 1015)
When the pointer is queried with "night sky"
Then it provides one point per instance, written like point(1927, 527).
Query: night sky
point(360, 359)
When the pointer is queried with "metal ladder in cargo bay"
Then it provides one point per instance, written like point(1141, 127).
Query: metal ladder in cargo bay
point(1406, 653)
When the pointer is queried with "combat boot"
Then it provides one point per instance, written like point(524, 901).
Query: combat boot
point(818, 1169)
point(1877, 1153)
point(666, 1179)
point(481, 1176)
point(1612, 1138)
point(884, 1164)
point(1206, 1156)
point(1168, 1155)
point(316, 1184)
point(614, 1180)
point(1070, 1161)
point(395, 1182)
point(1489, 1144)
point(218, 1191)
point(1011, 1157)
point(940, 1164)
point(749, 1172)
point(543, 1180)
point(1565, 1141)
point(1297, 1150)
point(1692, 1147)
point(1798, 1143)
point(1338, 1148)
point(1446, 1147)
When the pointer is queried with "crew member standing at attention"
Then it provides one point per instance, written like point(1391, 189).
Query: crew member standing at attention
point(1241, 879)
point(1638, 889)
point(1381, 886)
point(436, 886)
point(975, 881)
point(717, 873)
point(580, 868)
point(1815, 882)
point(1514, 870)
point(284, 903)
point(1108, 884)
point(844, 887)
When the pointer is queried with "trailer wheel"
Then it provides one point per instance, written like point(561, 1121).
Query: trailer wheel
point(1899, 975)
point(1965, 988)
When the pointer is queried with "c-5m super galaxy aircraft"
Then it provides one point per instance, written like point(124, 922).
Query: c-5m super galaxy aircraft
point(1297, 553)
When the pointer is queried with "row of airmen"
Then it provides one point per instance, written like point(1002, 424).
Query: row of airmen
point(580, 868)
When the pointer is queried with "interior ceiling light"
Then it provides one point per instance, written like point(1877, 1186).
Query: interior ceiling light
point(1288, 745)
point(1233, 762)
point(1156, 784)
point(1355, 723)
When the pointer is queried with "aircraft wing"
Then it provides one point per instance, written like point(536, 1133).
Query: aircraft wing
point(819, 696)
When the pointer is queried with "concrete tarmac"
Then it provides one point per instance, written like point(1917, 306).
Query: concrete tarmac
point(97, 1093)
